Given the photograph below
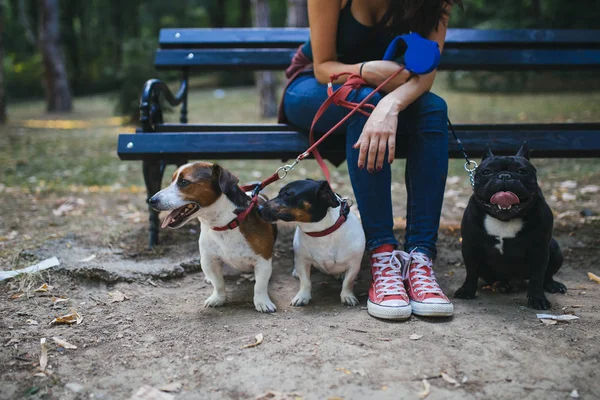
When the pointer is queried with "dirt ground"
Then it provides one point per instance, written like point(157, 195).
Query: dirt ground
point(494, 346)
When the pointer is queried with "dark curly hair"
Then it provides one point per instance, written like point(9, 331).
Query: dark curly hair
point(421, 16)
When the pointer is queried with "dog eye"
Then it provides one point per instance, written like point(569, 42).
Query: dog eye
point(522, 171)
point(486, 172)
point(183, 183)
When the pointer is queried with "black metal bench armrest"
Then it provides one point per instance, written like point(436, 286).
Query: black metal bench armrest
point(150, 112)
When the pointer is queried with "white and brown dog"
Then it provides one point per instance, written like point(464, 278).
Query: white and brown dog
point(327, 236)
point(211, 194)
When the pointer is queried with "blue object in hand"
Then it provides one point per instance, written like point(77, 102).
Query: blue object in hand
point(419, 55)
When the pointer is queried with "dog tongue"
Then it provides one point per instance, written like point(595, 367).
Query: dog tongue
point(504, 199)
point(168, 219)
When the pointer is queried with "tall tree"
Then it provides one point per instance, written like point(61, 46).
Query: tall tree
point(56, 83)
point(265, 80)
point(297, 13)
point(2, 93)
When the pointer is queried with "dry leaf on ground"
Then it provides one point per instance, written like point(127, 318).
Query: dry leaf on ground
point(273, 395)
point(344, 370)
point(117, 296)
point(564, 317)
point(44, 355)
point(172, 387)
point(589, 189)
point(426, 390)
point(449, 379)
point(63, 343)
point(88, 259)
point(43, 288)
point(150, 393)
point(32, 322)
point(259, 339)
point(415, 336)
point(68, 206)
point(17, 295)
point(60, 299)
point(594, 277)
point(73, 318)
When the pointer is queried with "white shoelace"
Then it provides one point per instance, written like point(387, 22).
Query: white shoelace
point(394, 265)
point(422, 276)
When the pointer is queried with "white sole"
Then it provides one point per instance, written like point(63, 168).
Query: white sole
point(383, 312)
point(432, 309)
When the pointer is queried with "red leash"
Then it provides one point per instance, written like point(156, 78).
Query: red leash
point(339, 98)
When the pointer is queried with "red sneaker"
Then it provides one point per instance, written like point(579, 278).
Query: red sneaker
point(387, 296)
point(426, 296)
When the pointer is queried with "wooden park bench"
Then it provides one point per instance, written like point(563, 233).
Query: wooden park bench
point(187, 50)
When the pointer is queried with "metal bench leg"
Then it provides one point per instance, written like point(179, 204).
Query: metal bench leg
point(153, 173)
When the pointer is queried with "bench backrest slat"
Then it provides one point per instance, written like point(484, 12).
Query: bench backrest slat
point(466, 49)
point(293, 37)
point(454, 59)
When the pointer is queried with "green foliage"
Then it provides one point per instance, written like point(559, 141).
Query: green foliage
point(99, 37)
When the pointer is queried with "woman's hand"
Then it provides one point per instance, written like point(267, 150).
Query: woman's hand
point(375, 72)
point(379, 134)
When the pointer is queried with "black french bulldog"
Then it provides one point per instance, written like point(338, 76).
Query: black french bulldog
point(507, 230)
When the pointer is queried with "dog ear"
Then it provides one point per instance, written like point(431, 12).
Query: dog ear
point(224, 179)
point(487, 152)
point(523, 151)
point(324, 192)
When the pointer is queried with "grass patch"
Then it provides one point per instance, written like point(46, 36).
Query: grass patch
point(59, 159)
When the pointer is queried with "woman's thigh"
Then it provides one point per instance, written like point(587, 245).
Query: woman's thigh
point(304, 97)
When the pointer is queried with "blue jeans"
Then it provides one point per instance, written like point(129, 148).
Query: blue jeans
point(422, 129)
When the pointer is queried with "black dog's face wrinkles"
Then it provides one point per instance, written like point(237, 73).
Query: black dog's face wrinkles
point(300, 201)
point(506, 187)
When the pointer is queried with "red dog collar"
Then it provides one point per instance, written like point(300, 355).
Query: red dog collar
point(344, 211)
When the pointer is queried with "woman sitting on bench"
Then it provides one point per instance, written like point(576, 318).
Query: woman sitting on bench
point(351, 36)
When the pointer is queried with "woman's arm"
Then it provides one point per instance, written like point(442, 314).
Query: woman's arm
point(379, 132)
point(404, 95)
point(323, 16)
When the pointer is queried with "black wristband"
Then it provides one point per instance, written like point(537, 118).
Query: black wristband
point(361, 67)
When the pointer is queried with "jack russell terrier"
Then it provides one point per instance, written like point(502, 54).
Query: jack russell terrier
point(211, 194)
point(327, 235)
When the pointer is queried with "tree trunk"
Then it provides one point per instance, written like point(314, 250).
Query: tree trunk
point(297, 13)
point(218, 14)
point(2, 93)
point(56, 83)
point(245, 13)
point(265, 80)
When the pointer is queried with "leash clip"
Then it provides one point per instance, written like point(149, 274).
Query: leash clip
point(283, 171)
point(471, 167)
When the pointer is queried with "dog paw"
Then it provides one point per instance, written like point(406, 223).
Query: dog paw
point(264, 305)
point(555, 287)
point(301, 299)
point(214, 300)
point(464, 293)
point(295, 274)
point(349, 299)
point(539, 303)
point(502, 287)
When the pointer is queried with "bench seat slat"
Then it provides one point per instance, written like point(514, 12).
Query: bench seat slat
point(465, 59)
point(565, 140)
point(293, 37)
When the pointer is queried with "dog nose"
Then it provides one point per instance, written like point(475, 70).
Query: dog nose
point(152, 200)
point(504, 177)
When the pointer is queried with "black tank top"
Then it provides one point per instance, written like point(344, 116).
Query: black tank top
point(356, 42)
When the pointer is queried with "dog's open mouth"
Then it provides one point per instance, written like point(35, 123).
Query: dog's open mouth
point(505, 200)
point(179, 215)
